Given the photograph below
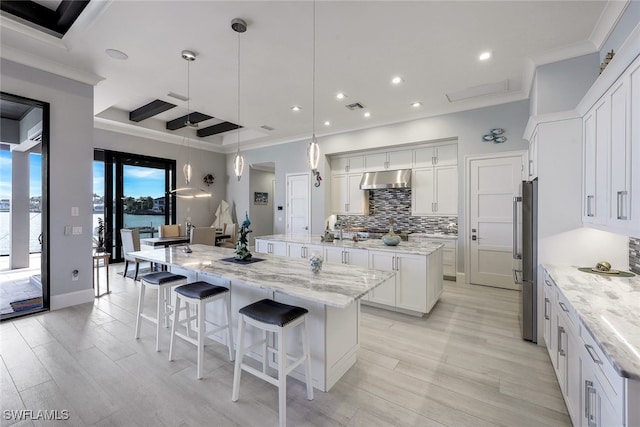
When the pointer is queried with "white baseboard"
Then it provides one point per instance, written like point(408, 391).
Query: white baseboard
point(72, 298)
point(460, 277)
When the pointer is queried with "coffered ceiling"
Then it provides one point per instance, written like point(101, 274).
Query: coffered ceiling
point(433, 46)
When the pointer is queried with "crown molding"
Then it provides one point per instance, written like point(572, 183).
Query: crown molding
point(608, 20)
point(534, 121)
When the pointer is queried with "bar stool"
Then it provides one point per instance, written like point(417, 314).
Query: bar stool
point(272, 316)
point(163, 281)
point(199, 294)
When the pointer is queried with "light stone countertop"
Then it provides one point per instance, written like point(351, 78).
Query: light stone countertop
point(434, 236)
point(336, 285)
point(416, 248)
point(609, 308)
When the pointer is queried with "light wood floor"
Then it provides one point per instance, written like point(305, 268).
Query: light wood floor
point(463, 365)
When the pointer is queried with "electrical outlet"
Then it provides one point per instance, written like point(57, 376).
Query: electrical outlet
point(75, 211)
point(75, 274)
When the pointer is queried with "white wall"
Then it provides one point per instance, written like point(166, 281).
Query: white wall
point(629, 20)
point(201, 210)
point(70, 174)
point(559, 86)
point(261, 215)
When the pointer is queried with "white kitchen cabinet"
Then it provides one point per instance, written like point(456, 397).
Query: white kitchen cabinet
point(348, 256)
point(437, 155)
point(271, 247)
point(385, 293)
point(346, 196)
point(434, 191)
point(597, 129)
point(532, 170)
point(449, 253)
point(549, 292)
point(400, 159)
point(302, 250)
point(347, 164)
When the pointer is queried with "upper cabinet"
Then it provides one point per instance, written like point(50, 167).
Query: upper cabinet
point(439, 155)
point(611, 128)
point(346, 196)
point(347, 164)
point(401, 159)
point(532, 171)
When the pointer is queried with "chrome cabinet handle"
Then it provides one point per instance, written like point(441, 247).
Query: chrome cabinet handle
point(516, 200)
point(560, 350)
point(346, 168)
point(620, 200)
point(546, 309)
point(589, 199)
point(590, 403)
point(563, 307)
point(593, 354)
point(547, 282)
point(530, 167)
point(346, 257)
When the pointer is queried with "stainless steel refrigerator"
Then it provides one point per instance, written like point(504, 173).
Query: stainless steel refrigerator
point(525, 255)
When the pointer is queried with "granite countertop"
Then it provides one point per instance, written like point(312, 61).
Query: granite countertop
point(337, 285)
point(416, 248)
point(435, 236)
point(609, 308)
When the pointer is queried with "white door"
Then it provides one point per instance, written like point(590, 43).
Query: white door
point(298, 204)
point(493, 183)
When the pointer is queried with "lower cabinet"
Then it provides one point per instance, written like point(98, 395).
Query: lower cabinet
point(302, 250)
point(449, 253)
point(271, 247)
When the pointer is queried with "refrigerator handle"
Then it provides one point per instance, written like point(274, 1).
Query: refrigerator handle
point(516, 255)
point(515, 277)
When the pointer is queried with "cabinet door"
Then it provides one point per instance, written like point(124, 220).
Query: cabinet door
point(279, 248)
point(339, 194)
point(447, 155)
point(596, 408)
point(385, 293)
point(446, 191)
point(333, 255)
point(261, 246)
point(546, 310)
point(634, 121)
point(296, 250)
point(359, 257)
point(358, 202)
point(411, 282)
point(574, 349)
point(422, 184)
point(424, 157)
point(356, 164)
point(340, 165)
point(402, 159)
point(589, 174)
point(597, 141)
point(620, 156)
point(375, 162)
point(533, 156)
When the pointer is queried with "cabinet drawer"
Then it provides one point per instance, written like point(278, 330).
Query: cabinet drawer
point(569, 311)
point(612, 383)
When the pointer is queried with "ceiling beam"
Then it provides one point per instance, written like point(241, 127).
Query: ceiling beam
point(151, 109)
point(216, 129)
point(57, 21)
point(194, 117)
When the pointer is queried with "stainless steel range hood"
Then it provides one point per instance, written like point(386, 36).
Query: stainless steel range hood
point(386, 179)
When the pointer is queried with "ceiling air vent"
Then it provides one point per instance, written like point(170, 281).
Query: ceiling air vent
point(265, 127)
point(355, 106)
point(35, 133)
point(177, 96)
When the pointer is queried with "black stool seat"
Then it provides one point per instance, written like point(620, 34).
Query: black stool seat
point(162, 277)
point(273, 312)
point(200, 290)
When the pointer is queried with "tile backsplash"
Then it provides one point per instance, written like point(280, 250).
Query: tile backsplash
point(396, 203)
point(634, 254)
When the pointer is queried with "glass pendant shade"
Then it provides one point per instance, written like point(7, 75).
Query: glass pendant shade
point(238, 164)
point(313, 153)
point(186, 169)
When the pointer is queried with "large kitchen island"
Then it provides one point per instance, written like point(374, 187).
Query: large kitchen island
point(414, 289)
point(331, 296)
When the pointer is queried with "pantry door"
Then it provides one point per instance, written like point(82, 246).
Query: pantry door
point(493, 183)
point(298, 203)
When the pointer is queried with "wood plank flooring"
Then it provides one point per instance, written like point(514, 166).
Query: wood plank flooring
point(463, 365)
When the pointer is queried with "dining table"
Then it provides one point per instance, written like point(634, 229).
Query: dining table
point(331, 295)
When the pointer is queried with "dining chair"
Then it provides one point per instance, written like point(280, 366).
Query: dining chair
point(130, 243)
point(203, 235)
point(229, 229)
point(170, 230)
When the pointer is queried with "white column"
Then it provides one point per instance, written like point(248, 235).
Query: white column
point(19, 251)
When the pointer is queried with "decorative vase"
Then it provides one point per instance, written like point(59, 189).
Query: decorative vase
point(391, 238)
point(315, 263)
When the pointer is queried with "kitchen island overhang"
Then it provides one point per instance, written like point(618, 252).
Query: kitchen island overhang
point(331, 296)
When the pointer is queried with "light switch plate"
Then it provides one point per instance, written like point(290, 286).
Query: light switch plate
point(75, 211)
point(77, 230)
point(67, 230)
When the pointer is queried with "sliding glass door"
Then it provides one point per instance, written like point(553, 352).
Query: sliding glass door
point(132, 191)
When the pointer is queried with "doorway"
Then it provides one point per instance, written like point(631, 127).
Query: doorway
point(24, 206)
point(262, 193)
point(131, 191)
point(298, 204)
point(493, 181)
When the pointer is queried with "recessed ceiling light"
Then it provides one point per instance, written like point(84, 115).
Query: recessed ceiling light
point(296, 108)
point(340, 95)
point(416, 104)
point(484, 56)
point(116, 54)
point(327, 123)
point(367, 114)
point(396, 80)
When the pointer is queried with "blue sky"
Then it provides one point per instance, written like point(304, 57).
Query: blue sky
point(34, 174)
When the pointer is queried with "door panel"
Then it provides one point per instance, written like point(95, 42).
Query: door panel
point(298, 204)
point(492, 185)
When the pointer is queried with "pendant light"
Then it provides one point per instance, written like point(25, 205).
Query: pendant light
point(239, 26)
point(313, 150)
